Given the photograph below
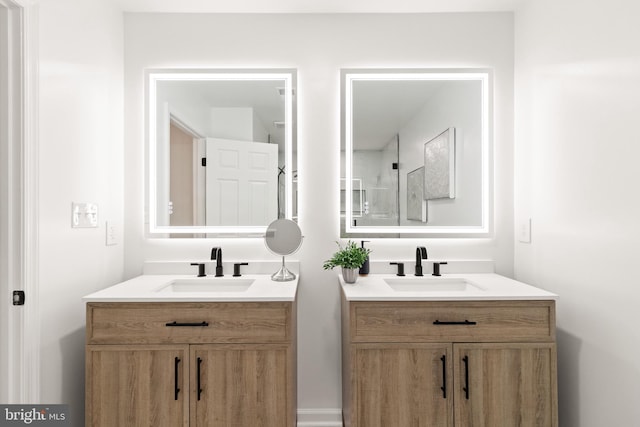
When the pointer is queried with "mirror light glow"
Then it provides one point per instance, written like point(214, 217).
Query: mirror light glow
point(353, 76)
point(155, 76)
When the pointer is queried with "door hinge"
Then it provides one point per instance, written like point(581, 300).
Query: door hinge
point(18, 297)
point(204, 161)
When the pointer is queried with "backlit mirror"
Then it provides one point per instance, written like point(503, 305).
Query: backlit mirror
point(415, 153)
point(222, 151)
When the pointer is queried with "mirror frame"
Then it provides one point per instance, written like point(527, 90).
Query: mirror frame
point(348, 77)
point(153, 76)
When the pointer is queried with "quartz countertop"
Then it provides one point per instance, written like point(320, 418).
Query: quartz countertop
point(479, 287)
point(150, 288)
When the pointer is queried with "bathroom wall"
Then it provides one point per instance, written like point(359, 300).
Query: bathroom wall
point(577, 99)
point(317, 46)
point(80, 159)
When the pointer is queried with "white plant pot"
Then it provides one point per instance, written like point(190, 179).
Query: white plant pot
point(350, 275)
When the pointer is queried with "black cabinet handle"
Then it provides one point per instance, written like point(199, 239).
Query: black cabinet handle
point(198, 377)
point(466, 322)
point(465, 360)
point(444, 376)
point(187, 324)
point(176, 389)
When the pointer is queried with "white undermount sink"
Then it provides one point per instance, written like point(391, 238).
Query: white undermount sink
point(201, 284)
point(432, 284)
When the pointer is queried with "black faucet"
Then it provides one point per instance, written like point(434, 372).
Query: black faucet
point(216, 253)
point(421, 253)
point(436, 268)
point(236, 268)
point(201, 272)
point(400, 268)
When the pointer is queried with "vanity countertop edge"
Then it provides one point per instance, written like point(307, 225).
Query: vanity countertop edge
point(492, 287)
point(144, 288)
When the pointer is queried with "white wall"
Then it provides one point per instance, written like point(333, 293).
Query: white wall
point(81, 159)
point(318, 46)
point(577, 150)
point(232, 123)
point(189, 108)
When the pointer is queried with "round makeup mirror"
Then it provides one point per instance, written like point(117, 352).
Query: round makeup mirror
point(283, 237)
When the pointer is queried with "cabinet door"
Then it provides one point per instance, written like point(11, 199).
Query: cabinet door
point(402, 385)
point(242, 385)
point(505, 385)
point(137, 386)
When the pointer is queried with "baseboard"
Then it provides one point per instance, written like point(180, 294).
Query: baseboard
point(320, 417)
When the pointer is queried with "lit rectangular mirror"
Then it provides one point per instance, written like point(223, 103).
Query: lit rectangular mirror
point(221, 151)
point(415, 153)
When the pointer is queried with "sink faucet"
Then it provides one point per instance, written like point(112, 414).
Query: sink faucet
point(421, 253)
point(201, 271)
point(236, 268)
point(400, 268)
point(216, 253)
point(436, 268)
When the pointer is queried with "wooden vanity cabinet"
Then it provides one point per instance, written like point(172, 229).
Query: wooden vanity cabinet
point(137, 385)
point(446, 364)
point(510, 384)
point(191, 364)
point(398, 385)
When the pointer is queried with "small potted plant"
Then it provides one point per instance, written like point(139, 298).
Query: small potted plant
point(350, 258)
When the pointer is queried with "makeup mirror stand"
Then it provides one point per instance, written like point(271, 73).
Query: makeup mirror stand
point(283, 275)
point(283, 237)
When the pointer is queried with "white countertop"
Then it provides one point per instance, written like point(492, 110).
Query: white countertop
point(147, 288)
point(486, 286)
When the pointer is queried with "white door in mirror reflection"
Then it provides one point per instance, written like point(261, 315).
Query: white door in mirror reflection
point(241, 182)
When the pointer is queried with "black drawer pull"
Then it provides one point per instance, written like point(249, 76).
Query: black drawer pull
point(187, 324)
point(466, 322)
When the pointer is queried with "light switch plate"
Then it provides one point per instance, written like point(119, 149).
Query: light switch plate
point(524, 230)
point(84, 215)
point(112, 234)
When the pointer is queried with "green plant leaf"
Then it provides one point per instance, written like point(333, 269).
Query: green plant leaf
point(351, 256)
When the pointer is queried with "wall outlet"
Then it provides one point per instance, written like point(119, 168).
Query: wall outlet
point(524, 231)
point(112, 235)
